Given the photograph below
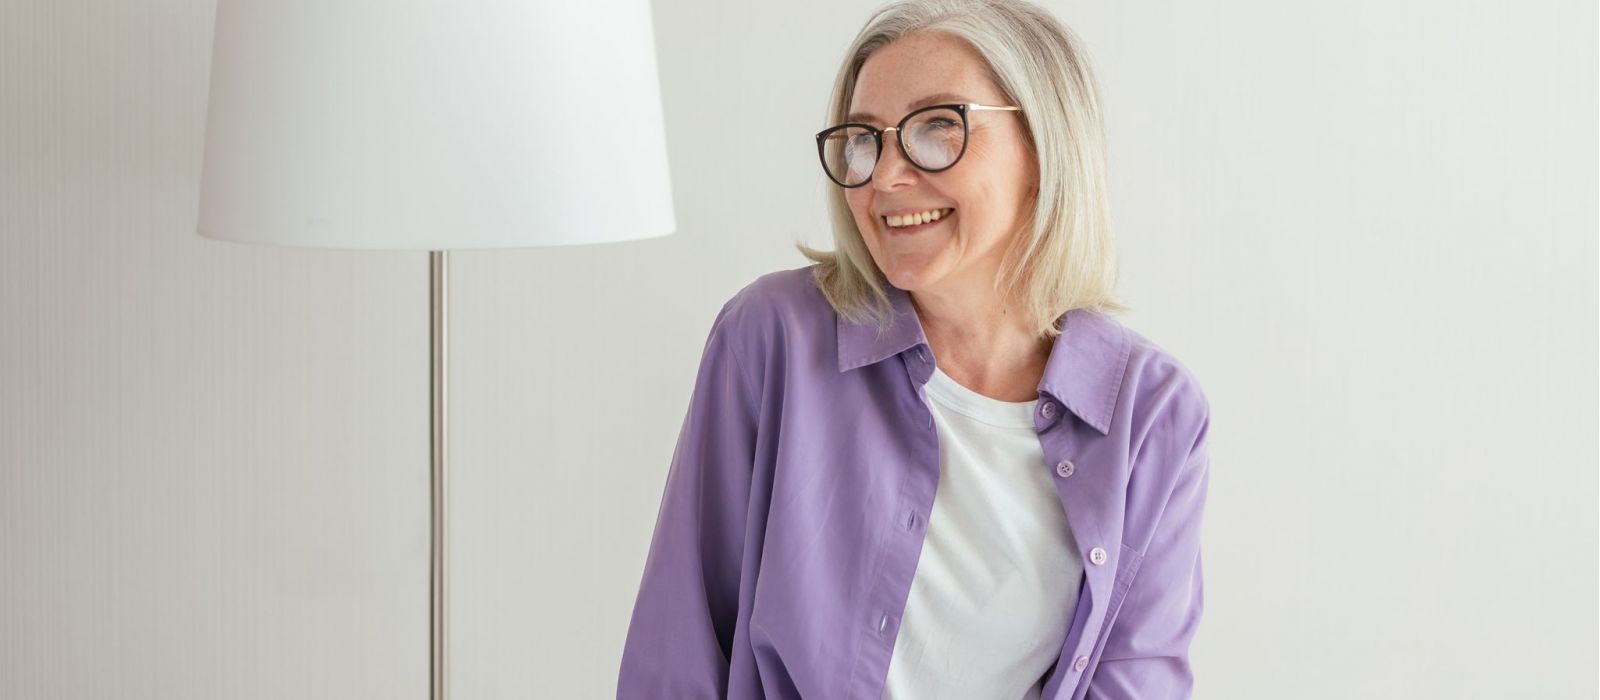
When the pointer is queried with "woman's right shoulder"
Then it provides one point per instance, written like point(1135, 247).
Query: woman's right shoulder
point(775, 311)
point(778, 298)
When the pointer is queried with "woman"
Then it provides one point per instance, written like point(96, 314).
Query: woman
point(930, 465)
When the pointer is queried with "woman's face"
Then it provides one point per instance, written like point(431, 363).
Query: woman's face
point(990, 187)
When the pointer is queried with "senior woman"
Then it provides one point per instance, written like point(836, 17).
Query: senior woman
point(930, 465)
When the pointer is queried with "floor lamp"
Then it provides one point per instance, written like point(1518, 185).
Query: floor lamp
point(437, 126)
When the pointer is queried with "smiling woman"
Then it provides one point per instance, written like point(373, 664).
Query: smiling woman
point(929, 464)
point(1030, 187)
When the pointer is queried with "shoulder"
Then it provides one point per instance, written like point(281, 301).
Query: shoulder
point(1152, 365)
point(774, 308)
point(780, 292)
point(1164, 397)
point(777, 321)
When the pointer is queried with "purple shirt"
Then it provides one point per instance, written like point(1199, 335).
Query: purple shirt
point(794, 508)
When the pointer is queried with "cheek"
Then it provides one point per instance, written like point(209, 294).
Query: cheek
point(862, 212)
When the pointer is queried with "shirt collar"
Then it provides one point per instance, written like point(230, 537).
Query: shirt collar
point(1084, 372)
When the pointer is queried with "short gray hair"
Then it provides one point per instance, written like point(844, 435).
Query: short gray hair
point(1065, 258)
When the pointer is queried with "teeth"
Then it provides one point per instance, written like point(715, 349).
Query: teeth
point(918, 218)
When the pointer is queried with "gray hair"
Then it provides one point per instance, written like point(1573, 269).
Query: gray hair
point(1064, 258)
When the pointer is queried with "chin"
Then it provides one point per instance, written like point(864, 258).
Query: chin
point(912, 277)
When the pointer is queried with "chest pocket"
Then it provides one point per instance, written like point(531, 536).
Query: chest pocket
point(1127, 567)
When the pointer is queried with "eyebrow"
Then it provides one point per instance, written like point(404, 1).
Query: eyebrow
point(935, 98)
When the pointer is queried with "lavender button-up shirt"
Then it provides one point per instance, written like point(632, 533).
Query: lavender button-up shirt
point(796, 502)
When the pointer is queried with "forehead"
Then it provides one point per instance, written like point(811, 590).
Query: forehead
point(899, 75)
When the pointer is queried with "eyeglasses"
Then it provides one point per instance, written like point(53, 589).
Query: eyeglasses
point(931, 138)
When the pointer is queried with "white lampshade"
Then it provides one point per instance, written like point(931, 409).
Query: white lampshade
point(434, 125)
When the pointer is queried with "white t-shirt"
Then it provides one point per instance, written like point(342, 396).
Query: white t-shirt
point(998, 579)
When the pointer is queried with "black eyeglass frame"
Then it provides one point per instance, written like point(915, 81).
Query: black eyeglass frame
point(960, 108)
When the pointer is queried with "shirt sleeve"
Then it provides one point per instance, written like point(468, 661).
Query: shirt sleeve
point(1146, 653)
point(681, 634)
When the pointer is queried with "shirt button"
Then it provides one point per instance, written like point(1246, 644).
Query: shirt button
point(1048, 410)
point(1064, 467)
point(1097, 556)
point(1080, 663)
point(883, 623)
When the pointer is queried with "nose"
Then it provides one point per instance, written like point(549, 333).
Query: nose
point(893, 169)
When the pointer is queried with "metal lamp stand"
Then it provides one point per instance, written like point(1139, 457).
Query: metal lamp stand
point(438, 265)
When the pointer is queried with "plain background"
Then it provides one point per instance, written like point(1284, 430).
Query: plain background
point(1369, 228)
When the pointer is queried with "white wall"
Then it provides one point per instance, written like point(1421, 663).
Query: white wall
point(1369, 227)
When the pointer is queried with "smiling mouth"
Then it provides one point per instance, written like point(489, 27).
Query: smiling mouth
point(906, 230)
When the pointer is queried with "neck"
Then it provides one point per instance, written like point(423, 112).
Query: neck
point(983, 341)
